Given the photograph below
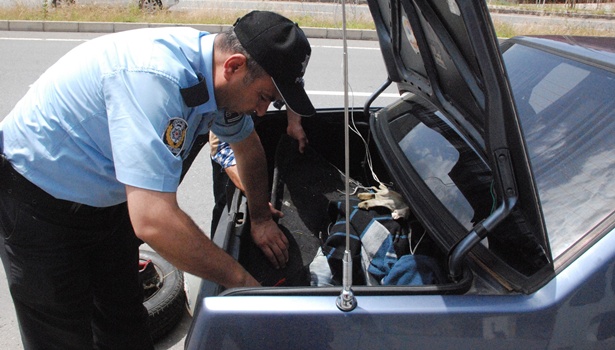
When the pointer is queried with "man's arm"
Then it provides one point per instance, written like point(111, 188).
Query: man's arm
point(222, 154)
point(295, 130)
point(252, 167)
point(159, 222)
point(233, 174)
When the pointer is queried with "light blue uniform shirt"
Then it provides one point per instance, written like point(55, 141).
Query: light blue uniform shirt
point(110, 113)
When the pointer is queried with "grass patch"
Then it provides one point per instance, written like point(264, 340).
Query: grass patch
point(562, 9)
point(507, 30)
point(132, 14)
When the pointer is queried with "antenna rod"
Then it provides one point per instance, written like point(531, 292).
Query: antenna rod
point(346, 301)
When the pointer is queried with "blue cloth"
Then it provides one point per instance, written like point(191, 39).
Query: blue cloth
point(389, 268)
point(110, 113)
point(413, 270)
point(379, 246)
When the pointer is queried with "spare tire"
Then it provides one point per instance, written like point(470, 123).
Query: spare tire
point(163, 287)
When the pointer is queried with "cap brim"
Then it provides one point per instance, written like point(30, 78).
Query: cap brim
point(295, 97)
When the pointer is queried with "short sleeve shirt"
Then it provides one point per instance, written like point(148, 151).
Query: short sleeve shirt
point(221, 152)
point(110, 113)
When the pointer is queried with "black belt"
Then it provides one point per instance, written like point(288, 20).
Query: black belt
point(15, 185)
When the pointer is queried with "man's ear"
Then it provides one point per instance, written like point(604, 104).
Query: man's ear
point(233, 64)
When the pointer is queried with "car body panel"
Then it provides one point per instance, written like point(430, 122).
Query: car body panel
point(560, 315)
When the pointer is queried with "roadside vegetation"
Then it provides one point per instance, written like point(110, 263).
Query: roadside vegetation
point(134, 14)
point(567, 7)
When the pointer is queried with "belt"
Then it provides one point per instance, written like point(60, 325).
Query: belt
point(15, 185)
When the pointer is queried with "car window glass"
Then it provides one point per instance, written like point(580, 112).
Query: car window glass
point(434, 158)
point(462, 182)
point(558, 82)
point(452, 170)
point(567, 114)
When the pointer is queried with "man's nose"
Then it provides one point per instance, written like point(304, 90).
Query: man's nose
point(261, 109)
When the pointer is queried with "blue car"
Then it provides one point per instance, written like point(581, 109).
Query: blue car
point(480, 208)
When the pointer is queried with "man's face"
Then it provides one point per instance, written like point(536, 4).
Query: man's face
point(255, 96)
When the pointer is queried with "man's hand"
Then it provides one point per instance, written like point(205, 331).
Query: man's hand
point(274, 212)
point(295, 130)
point(271, 240)
point(159, 222)
point(251, 164)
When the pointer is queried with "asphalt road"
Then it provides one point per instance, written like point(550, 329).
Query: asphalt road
point(25, 55)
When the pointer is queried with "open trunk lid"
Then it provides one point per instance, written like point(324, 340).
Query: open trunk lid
point(446, 52)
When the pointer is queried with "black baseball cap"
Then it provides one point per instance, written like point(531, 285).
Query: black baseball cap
point(279, 46)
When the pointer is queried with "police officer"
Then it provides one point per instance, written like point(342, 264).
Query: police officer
point(92, 159)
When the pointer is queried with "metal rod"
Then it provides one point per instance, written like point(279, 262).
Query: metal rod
point(346, 301)
point(346, 125)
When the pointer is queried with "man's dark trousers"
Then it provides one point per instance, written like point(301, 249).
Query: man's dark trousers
point(72, 270)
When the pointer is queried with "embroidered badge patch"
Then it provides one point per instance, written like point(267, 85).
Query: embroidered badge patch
point(175, 135)
point(232, 118)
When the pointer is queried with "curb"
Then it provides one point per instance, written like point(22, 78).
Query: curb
point(569, 14)
point(114, 27)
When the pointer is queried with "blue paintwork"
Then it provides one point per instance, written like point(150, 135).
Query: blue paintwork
point(568, 312)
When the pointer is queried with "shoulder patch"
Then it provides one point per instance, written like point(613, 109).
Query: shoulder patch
point(175, 135)
point(232, 118)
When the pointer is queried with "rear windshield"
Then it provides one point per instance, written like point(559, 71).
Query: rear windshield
point(463, 183)
point(567, 113)
point(452, 171)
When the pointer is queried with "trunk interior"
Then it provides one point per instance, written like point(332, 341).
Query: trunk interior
point(309, 189)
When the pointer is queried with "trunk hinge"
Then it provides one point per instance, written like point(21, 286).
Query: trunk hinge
point(506, 179)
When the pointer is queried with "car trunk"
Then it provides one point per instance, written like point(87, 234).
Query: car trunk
point(309, 189)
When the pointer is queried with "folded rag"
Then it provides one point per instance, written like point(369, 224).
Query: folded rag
point(384, 197)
